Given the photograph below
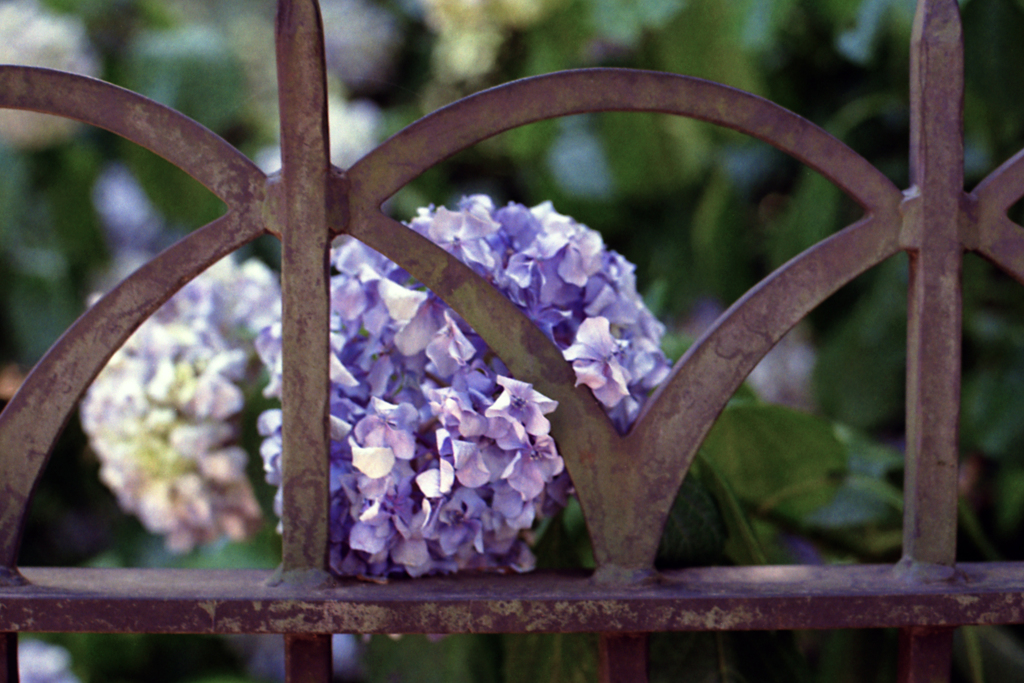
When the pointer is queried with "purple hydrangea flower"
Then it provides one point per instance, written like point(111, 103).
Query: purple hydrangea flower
point(518, 414)
point(439, 458)
point(595, 357)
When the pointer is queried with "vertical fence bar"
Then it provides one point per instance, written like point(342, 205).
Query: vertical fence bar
point(305, 238)
point(305, 160)
point(8, 658)
point(622, 657)
point(925, 655)
point(307, 658)
point(933, 344)
point(934, 321)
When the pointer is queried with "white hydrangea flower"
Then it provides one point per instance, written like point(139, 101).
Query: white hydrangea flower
point(40, 662)
point(162, 416)
point(470, 32)
point(31, 35)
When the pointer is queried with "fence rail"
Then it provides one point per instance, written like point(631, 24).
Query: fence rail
point(935, 222)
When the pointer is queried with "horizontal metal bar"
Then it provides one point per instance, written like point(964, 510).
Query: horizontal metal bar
point(705, 598)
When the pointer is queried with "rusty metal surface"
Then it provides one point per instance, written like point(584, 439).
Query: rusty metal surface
point(307, 658)
point(622, 658)
point(705, 598)
point(925, 655)
point(437, 136)
point(305, 242)
point(934, 297)
point(8, 657)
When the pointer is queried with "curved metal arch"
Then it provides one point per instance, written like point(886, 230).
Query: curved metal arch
point(451, 129)
point(675, 420)
point(996, 237)
point(1003, 186)
point(1001, 241)
point(35, 416)
point(190, 146)
point(678, 416)
point(663, 442)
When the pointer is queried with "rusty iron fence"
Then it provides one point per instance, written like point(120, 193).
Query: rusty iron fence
point(926, 595)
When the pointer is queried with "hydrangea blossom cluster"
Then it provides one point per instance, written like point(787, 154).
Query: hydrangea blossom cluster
point(471, 32)
point(162, 415)
point(40, 662)
point(439, 458)
point(30, 34)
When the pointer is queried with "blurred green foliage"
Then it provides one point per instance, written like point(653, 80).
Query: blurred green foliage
point(704, 213)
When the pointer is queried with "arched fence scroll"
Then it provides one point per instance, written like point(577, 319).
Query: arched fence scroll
point(626, 483)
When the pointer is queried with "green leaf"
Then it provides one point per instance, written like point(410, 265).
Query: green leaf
point(859, 376)
point(705, 40)
point(810, 216)
point(13, 193)
point(526, 144)
point(695, 532)
point(865, 497)
point(859, 501)
point(1009, 499)
point(418, 659)
point(993, 51)
point(623, 21)
point(634, 143)
point(692, 146)
point(40, 309)
point(855, 656)
point(970, 526)
point(551, 658)
point(866, 456)
point(998, 653)
point(69, 195)
point(858, 43)
point(190, 69)
point(726, 657)
point(742, 545)
point(719, 237)
point(563, 541)
point(777, 460)
point(763, 18)
point(992, 406)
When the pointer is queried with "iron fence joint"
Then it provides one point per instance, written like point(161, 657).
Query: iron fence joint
point(272, 208)
point(910, 211)
point(968, 223)
point(10, 577)
point(916, 571)
point(338, 189)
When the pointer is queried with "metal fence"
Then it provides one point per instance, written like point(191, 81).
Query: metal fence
point(926, 595)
